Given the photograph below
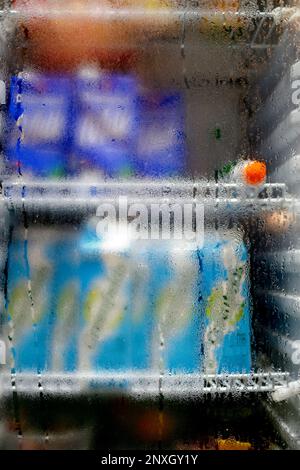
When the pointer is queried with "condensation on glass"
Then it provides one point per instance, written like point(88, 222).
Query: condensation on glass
point(149, 224)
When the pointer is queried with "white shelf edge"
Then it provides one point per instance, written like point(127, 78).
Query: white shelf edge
point(140, 383)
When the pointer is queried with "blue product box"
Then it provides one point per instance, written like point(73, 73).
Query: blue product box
point(116, 325)
point(139, 313)
point(223, 263)
point(173, 300)
point(39, 123)
point(104, 336)
point(200, 305)
point(160, 150)
point(64, 301)
point(105, 123)
point(28, 321)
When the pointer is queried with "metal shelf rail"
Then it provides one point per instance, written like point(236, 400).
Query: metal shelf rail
point(140, 384)
point(68, 196)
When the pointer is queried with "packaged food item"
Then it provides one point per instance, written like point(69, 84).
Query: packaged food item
point(141, 320)
point(115, 331)
point(28, 319)
point(103, 340)
point(64, 301)
point(223, 263)
point(200, 301)
point(84, 302)
point(174, 300)
point(39, 113)
point(60, 36)
point(104, 122)
point(80, 32)
point(93, 121)
point(160, 138)
point(164, 305)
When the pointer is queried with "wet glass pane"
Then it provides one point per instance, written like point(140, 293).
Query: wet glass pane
point(149, 224)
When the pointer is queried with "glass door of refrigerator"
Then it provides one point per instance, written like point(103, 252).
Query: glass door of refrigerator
point(149, 219)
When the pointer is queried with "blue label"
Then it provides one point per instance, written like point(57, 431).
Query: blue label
point(39, 113)
point(160, 147)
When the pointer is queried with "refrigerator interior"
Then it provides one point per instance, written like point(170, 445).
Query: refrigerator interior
point(236, 67)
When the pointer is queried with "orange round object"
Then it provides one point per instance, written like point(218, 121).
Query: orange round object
point(255, 172)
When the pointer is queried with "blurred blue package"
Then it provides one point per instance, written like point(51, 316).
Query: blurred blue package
point(174, 304)
point(201, 306)
point(105, 123)
point(107, 303)
point(39, 122)
point(28, 322)
point(160, 149)
point(115, 330)
point(103, 341)
point(64, 301)
point(139, 314)
point(226, 340)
